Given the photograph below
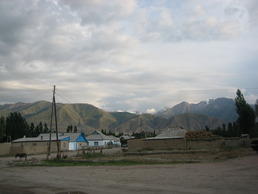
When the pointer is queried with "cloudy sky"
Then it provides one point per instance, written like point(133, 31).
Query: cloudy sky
point(134, 55)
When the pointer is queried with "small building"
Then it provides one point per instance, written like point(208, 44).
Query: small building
point(39, 144)
point(77, 141)
point(97, 138)
point(115, 140)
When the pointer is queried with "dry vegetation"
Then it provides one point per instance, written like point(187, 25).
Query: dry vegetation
point(149, 158)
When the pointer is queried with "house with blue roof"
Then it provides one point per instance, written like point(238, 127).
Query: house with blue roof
point(39, 144)
point(76, 141)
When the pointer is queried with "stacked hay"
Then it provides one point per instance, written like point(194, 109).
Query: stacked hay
point(198, 134)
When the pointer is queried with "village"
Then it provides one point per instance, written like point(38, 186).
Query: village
point(90, 158)
point(128, 97)
point(173, 140)
point(125, 158)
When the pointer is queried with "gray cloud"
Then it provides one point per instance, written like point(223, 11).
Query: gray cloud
point(100, 12)
point(125, 56)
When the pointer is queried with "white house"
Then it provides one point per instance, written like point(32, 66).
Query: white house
point(97, 138)
point(69, 141)
point(76, 141)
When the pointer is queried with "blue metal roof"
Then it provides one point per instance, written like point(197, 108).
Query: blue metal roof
point(81, 138)
point(66, 139)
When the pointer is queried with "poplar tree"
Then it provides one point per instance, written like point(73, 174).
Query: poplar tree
point(2, 129)
point(246, 115)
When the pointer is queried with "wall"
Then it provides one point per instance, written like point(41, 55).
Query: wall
point(205, 144)
point(237, 141)
point(36, 147)
point(156, 144)
point(81, 145)
point(183, 144)
point(5, 149)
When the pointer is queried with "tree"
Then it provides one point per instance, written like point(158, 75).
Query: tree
point(69, 129)
point(40, 128)
point(31, 130)
point(16, 126)
point(37, 130)
point(45, 130)
point(230, 130)
point(75, 129)
point(2, 129)
point(246, 115)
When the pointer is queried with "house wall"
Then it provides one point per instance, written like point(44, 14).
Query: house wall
point(64, 145)
point(5, 149)
point(100, 142)
point(36, 147)
point(72, 146)
point(118, 143)
point(81, 145)
point(183, 144)
point(77, 145)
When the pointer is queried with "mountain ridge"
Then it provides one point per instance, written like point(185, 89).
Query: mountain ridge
point(88, 117)
point(221, 108)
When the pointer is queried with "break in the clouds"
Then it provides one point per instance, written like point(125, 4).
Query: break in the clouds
point(133, 55)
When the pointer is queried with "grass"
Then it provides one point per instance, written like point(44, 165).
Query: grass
point(6, 155)
point(99, 159)
point(89, 155)
point(60, 163)
point(110, 163)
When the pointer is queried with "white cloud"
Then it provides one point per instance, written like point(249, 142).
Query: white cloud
point(127, 56)
point(151, 110)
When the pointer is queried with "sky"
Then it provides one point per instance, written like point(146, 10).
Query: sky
point(128, 55)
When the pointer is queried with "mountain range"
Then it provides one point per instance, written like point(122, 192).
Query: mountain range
point(88, 117)
point(221, 108)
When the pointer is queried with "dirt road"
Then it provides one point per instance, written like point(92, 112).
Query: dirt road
point(232, 176)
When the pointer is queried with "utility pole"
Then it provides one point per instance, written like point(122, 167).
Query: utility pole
point(53, 110)
point(50, 130)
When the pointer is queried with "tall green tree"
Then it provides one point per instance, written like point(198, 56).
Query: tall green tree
point(246, 115)
point(69, 129)
point(45, 130)
point(31, 131)
point(40, 127)
point(16, 126)
point(75, 130)
point(2, 129)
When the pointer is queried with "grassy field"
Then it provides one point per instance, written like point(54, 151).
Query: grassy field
point(99, 159)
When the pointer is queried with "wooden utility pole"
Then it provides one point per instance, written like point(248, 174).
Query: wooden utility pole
point(50, 130)
point(53, 110)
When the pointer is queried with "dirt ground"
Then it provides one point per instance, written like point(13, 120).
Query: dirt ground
point(232, 176)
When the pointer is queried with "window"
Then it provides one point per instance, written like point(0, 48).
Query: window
point(96, 143)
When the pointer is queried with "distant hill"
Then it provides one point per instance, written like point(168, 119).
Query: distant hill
point(143, 122)
point(221, 108)
point(187, 121)
point(84, 116)
point(193, 121)
point(88, 117)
